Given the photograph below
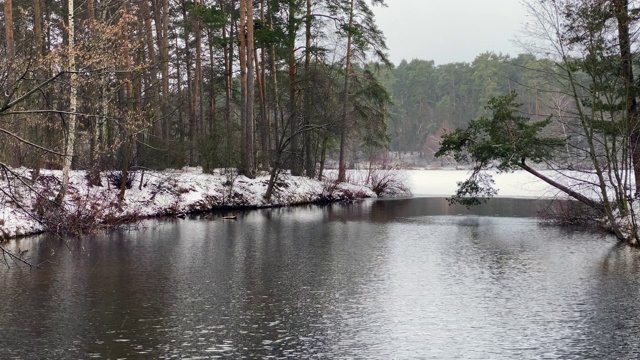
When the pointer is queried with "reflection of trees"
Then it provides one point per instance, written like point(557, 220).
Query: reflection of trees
point(611, 313)
point(285, 260)
point(545, 285)
point(22, 293)
point(384, 211)
point(285, 273)
point(46, 312)
point(297, 282)
point(127, 290)
point(92, 292)
point(387, 210)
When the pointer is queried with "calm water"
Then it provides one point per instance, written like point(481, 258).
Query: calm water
point(379, 279)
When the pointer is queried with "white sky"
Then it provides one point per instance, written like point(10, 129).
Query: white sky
point(450, 30)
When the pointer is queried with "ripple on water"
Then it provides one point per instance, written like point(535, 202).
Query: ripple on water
point(372, 280)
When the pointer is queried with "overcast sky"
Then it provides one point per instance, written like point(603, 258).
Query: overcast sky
point(450, 30)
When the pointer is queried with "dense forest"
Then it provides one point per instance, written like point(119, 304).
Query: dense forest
point(251, 85)
point(254, 85)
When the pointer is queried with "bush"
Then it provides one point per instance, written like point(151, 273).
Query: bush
point(329, 188)
point(79, 214)
point(116, 178)
point(84, 216)
point(386, 182)
point(570, 213)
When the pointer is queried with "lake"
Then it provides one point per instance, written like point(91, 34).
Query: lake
point(381, 279)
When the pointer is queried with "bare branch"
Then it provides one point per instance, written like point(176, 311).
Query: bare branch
point(15, 257)
point(45, 111)
point(30, 143)
point(9, 105)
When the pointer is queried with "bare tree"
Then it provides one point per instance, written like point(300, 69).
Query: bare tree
point(73, 105)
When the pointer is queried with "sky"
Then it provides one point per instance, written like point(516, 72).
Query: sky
point(450, 30)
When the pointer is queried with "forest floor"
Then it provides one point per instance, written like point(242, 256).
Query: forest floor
point(27, 208)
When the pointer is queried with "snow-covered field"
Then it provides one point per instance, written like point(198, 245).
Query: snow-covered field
point(518, 184)
point(160, 194)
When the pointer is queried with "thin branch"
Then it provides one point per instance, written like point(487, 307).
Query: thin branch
point(9, 105)
point(6, 169)
point(30, 143)
point(19, 258)
point(45, 111)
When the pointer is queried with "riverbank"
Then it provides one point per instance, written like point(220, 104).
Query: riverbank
point(26, 211)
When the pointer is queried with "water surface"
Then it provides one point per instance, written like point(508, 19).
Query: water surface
point(411, 278)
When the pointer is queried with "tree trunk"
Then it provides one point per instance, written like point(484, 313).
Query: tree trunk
point(621, 8)
point(153, 73)
point(262, 86)
point(8, 27)
point(262, 124)
point(125, 169)
point(93, 176)
point(342, 168)
point(242, 51)
point(273, 142)
point(73, 104)
point(162, 33)
point(191, 91)
point(583, 199)
point(309, 163)
point(323, 155)
point(197, 81)
point(212, 87)
point(293, 93)
point(40, 74)
point(275, 102)
point(250, 100)
point(37, 26)
point(227, 38)
point(178, 91)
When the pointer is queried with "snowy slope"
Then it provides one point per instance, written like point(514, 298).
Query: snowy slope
point(160, 194)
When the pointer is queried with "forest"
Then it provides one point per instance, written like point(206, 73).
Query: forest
point(303, 86)
point(428, 99)
point(165, 84)
point(157, 84)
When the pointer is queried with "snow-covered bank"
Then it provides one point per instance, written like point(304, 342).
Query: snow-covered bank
point(170, 193)
point(160, 194)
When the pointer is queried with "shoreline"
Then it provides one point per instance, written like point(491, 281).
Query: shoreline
point(153, 194)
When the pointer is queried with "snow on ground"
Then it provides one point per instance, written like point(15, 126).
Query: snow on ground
point(444, 183)
point(161, 193)
point(175, 192)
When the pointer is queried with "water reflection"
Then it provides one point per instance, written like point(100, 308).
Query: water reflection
point(378, 279)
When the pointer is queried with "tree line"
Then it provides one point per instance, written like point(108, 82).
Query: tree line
point(428, 98)
point(253, 85)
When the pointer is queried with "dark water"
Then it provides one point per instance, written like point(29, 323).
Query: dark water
point(380, 279)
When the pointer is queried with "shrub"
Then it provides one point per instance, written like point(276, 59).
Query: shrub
point(570, 213)
point(386, 182)
point(116, 178)
point(79, 214)
point(84, 214)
